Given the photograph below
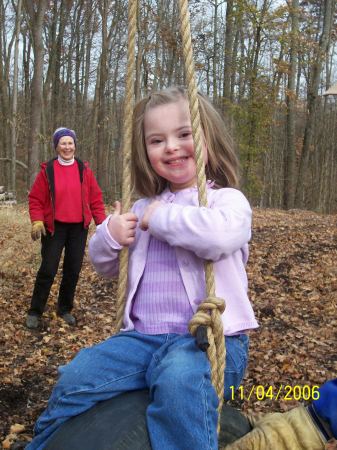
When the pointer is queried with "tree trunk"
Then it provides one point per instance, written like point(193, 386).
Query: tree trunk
point(290, 154)
point(35, 11)
point(15, 97)
point(4, 100)
point(320, 54)
point(215, 50)
point(229, 39)
point(248, 167)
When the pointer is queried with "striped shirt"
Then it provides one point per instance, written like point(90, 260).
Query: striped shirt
point(161, 303)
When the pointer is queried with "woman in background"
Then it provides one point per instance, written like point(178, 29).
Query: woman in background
point(64, 198)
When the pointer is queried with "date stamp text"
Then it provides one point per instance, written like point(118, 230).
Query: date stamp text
point(284, 392)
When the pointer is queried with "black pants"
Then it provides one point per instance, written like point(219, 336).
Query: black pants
point(72, 237)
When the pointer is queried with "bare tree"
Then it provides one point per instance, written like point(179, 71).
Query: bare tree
point(35, 10)
point(15, 96)
point(328, 7)
point(228, 57)
point(290, 153)
point(246, 55)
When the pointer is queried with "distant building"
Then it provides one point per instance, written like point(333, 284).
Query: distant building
point(332, 90)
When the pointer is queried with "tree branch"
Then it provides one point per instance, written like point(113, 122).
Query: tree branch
point(19, 163)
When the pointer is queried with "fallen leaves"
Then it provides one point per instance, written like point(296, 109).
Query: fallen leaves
point(15, 430)
point(292, 274)
point(292, 284)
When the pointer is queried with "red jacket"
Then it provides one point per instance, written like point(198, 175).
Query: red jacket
point(42, 196)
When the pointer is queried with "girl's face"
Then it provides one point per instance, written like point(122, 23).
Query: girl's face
point(66, 147)
point(169, 144)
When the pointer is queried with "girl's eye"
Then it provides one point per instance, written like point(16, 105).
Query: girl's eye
point(186, 134)
point(156, 141)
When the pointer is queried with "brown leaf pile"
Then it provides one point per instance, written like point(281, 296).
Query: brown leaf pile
point(293, 287)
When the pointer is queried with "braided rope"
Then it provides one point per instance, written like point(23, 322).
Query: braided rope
point(126, 152)
point(209, 312)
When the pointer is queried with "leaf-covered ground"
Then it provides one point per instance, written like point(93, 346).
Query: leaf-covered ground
point(293, 287)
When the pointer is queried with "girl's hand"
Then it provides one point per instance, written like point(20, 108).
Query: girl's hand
point(149, 210)
point(122, 227)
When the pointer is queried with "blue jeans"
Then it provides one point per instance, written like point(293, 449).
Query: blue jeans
point(183, 409)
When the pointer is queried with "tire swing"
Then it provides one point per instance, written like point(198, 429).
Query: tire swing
point(120, 423)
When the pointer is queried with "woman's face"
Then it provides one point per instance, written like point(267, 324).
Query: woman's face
point(66, 147)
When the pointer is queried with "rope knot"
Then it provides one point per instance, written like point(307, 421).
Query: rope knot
point(212, 303)
point(204, 315)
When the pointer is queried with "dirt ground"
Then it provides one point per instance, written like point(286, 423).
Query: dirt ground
point(292, 284)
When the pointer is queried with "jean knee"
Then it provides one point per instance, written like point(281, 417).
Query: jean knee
point(169, 384)
point(77, 370)
point(176, 379)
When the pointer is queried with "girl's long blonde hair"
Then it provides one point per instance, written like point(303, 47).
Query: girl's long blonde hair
point(222, 166)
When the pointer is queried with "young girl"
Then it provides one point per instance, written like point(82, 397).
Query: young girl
point(169, 236)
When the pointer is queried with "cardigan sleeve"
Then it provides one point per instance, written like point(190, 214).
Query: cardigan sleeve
point(211, 233)
point(104, 251)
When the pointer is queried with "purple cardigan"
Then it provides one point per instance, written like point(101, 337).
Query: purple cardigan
point(219, 233)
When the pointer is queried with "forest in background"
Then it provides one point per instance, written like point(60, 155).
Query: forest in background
point(265, 64)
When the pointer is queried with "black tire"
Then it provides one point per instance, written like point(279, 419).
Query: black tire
point(120, 424)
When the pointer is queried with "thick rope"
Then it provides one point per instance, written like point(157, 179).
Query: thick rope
point(126, 152)
point(209, 312)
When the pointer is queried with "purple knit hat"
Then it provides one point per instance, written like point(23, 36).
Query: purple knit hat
point(60, 132)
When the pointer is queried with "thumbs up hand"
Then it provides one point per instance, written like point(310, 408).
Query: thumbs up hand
point(122, 227)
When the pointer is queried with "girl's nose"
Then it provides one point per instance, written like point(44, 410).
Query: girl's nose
point(171, 145)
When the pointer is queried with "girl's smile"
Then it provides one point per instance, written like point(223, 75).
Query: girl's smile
point(169, 143)
point(177, 162)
